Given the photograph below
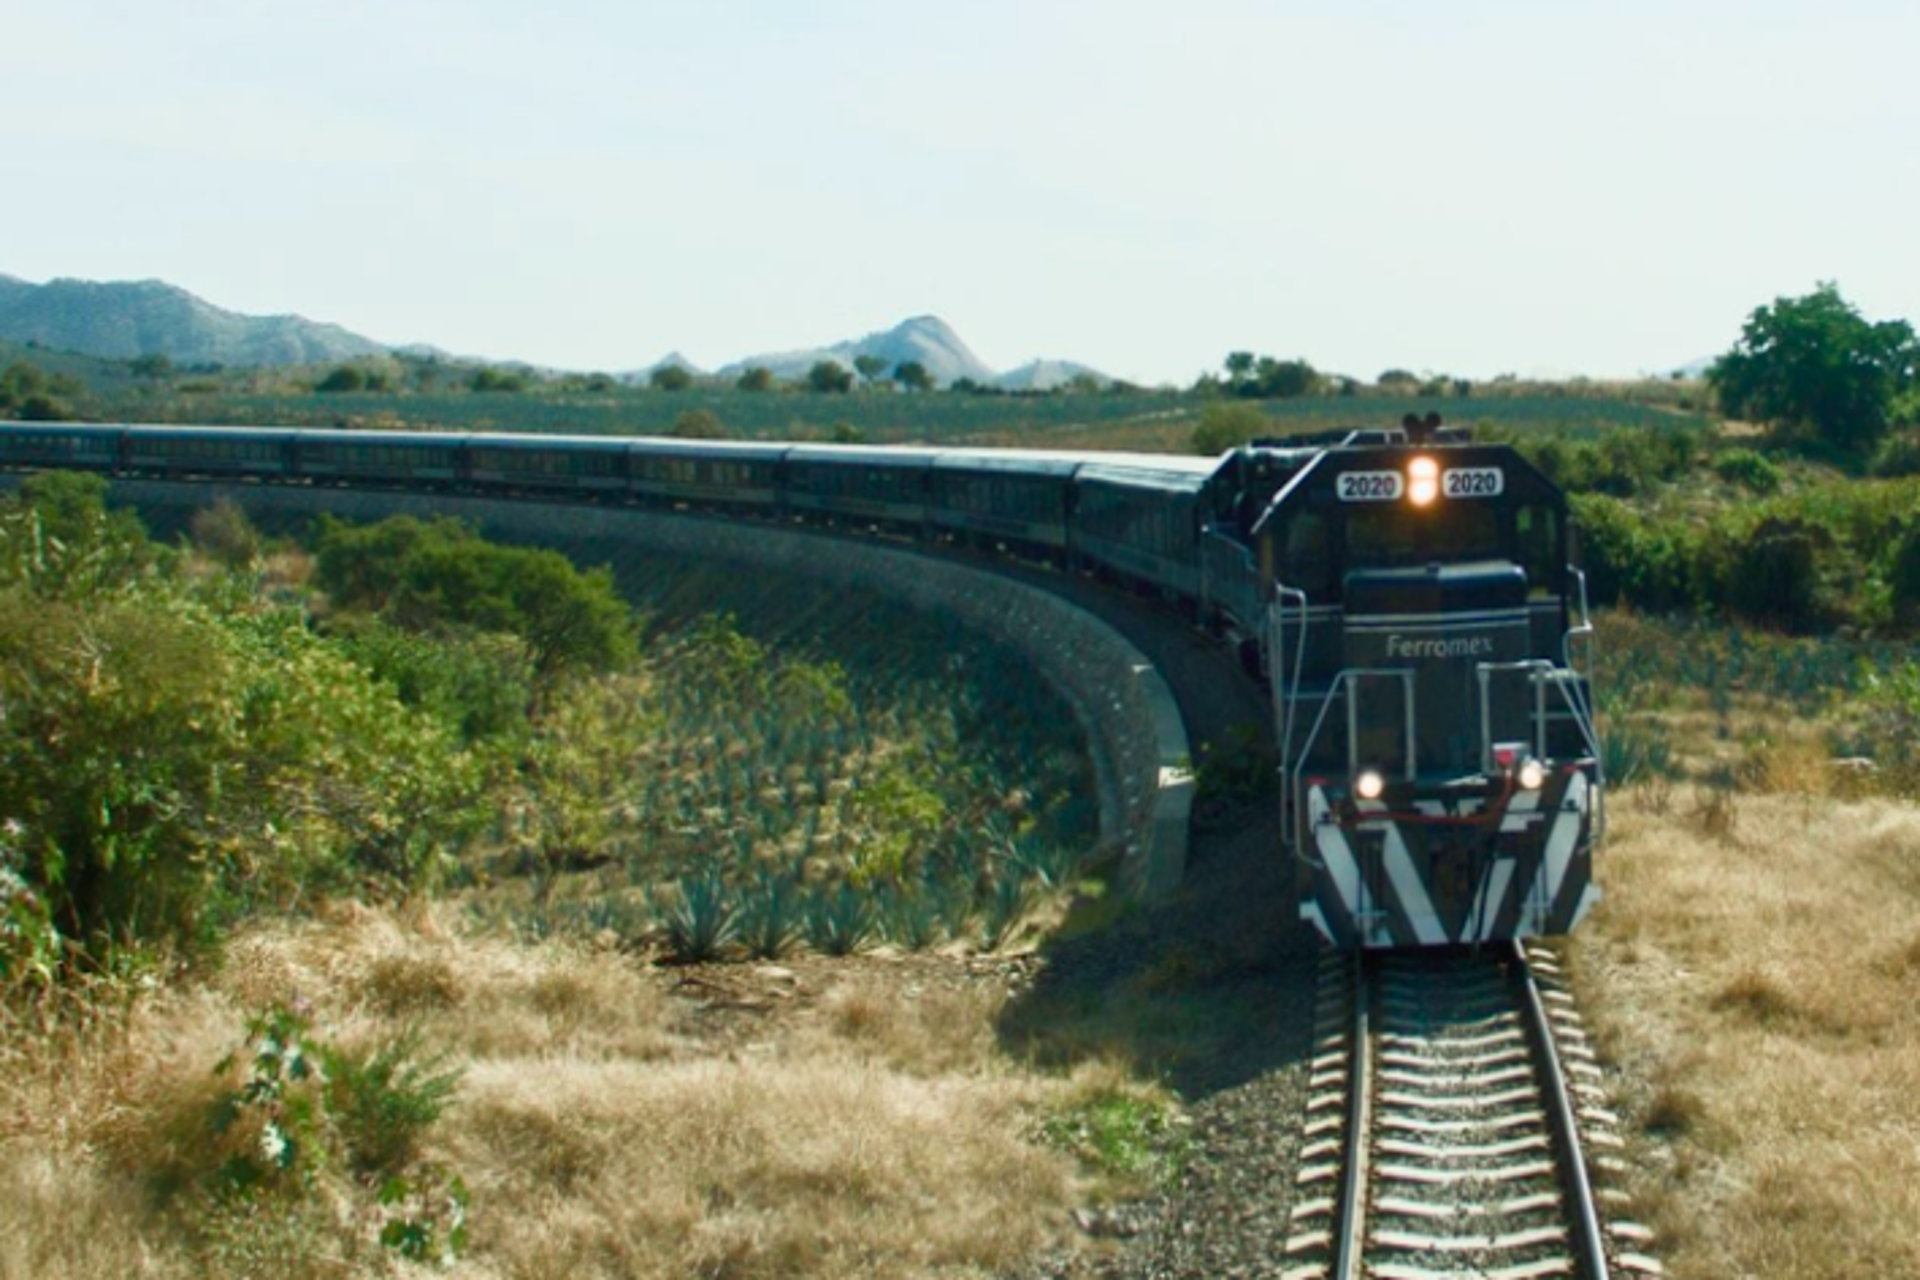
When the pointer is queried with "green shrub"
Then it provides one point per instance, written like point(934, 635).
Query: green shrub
point(1774, 577)
point(1748, 468)
point(1630, 559)
point(700, 920)
point(1897, 457)
point(383, 1099)
point(839, 920)
point(1903, 578)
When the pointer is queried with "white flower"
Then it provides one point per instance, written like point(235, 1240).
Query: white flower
point(273, 1143)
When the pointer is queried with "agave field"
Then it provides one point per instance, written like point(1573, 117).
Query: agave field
point(1661, 680)
point(794, 767)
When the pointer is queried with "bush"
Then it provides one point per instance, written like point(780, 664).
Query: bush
point(1748, 468)
point(1630, 559)
point(1897, 457)
point(1903, 578)
point(1774, 577)
point(1225, 425)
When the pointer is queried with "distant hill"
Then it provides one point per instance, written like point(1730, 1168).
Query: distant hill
point(927, 339)
point(124, 319)
point(1045, 375)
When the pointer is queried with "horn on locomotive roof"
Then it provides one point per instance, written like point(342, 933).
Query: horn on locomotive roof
point(1421, 431)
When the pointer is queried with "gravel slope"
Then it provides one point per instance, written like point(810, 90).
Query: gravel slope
point(1212, 989)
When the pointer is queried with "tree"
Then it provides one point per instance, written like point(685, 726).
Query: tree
point(498, 380)
point(669, 377)
point(869, 367)
point(756, 378)
point(699, 424)
point(913, 375)
point(1239, 365)
point(1814, 368)
point(345, 378)
point(153, 365)
point(830, 377)
point(1225, 425)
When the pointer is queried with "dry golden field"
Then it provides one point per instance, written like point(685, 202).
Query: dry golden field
point(1755, 976)
point(822, 1118)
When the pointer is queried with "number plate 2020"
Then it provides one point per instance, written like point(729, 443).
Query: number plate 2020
point(1371, 486)
point(1473, 482)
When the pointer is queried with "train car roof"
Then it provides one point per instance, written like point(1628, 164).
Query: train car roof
point(678, 446)
point(150, 432)
point(65, 428)
point(502, 440)
point(1030, 462)
point(338, 435)
point(873, 455)
point(1135, 475)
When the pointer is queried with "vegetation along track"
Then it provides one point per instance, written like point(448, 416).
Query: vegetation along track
point(1452, 1113)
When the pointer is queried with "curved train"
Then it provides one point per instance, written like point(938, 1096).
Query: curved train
point(1408, 595)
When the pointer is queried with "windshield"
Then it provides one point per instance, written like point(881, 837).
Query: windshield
point(1392, 534)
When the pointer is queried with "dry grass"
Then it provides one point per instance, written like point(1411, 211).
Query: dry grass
point(848, 1119)
point(1755, 971)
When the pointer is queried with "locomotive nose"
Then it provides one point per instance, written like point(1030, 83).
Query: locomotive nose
point(1438, 624)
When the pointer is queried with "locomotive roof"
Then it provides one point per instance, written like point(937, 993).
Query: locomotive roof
point(1393, 457)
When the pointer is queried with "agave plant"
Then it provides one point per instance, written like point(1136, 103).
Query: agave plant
point(1003, 908)
point(839, 920)
point(910, 917)
point(770, 915)
point(700, 920)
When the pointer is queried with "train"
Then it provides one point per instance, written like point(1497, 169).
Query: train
point(1410, 597)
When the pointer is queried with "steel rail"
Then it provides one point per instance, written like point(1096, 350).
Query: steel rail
point(1350, 1240)
point(1590, 1240)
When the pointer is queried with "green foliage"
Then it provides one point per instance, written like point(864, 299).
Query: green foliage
point(1225, 426)
point(1749, 469)
point(490, 380)
point(345, 378)
point(869, 367)
point(699, 424)
point(1266, 378)
point(829, 377)
point(442, 577)
point(224, 534)
point(1123, 1133)
point(839, 920)
point(1903, 577)
point(771, 911)
point(304, 1120)
point(700, 918)
point(1815, 369)
point(670, 377)
point(755, 379)
point(1632, 558)
point(29, 943)
point(1774, 575)
point(383, 1098)
point(913, 375)
point(1634, 753)
point(153, 365)
point(1897, 457)
point(176, 752)
point(28, 393)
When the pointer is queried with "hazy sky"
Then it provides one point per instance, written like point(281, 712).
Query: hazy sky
point(1144, 186)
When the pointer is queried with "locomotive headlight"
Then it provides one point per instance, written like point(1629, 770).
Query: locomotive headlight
point(1369, 785)
point(1532, 774)
point(1423, 481)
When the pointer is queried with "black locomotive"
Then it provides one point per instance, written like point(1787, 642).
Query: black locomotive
point(1408, 595)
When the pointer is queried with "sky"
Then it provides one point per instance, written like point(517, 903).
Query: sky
point(1538, 187)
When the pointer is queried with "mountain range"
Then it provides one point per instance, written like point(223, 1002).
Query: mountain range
point(120, 320)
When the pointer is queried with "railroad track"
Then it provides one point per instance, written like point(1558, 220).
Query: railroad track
point(1455, 1127)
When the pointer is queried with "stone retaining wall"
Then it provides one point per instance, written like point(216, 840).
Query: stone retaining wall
point(1138, 741)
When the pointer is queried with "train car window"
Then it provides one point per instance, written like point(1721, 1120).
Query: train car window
point(1536, 545)
point(1387, 534)
point(1308, 566)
